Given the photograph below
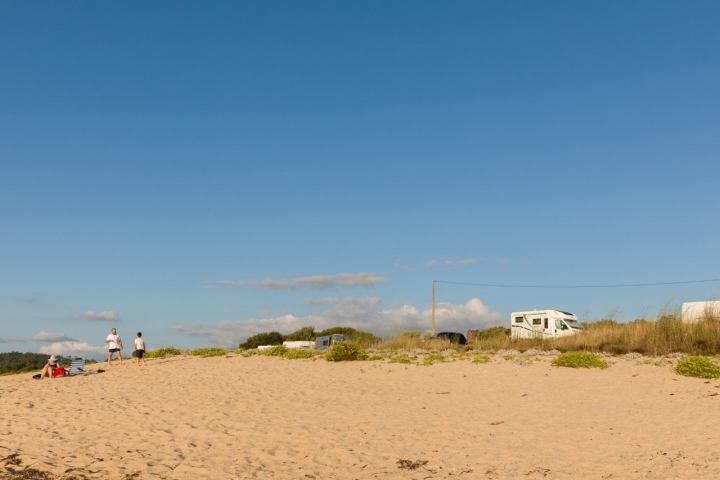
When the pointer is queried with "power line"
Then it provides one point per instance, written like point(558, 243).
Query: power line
point(580, 286)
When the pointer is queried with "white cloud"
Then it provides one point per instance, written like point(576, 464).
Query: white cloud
point(12, 340)
point(43, 336)
point(452, 262)
point(360, 313)
point(502, 260)
point(107, 315)
point(407, 265)
point(321, 301)
point(315, 282)
point(461, 261)
point(79, 349)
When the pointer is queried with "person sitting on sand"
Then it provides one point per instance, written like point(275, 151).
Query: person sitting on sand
point(50, 367)
point(139, 349)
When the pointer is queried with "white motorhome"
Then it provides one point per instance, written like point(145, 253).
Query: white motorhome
point(543, 324)
point(696, 311)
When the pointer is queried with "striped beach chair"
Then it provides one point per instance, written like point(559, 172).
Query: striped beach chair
point(76, 367)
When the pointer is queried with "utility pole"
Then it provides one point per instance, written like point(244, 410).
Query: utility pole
point(433, 307)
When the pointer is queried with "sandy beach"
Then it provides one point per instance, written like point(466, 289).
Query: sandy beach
point(260, 417)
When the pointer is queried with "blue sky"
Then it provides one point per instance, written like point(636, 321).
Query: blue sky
point(182, 168)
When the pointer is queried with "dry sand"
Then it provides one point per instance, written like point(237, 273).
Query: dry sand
point(264, 417)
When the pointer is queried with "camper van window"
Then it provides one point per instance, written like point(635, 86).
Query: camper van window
point(518, 319)
point(573, 324)
point(559, 325)
point(546, 323)
point(537, 321)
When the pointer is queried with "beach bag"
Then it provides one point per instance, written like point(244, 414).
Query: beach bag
point(134, 354)
point(58, 372)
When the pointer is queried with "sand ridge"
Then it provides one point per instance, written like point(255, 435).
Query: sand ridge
point(260, 417)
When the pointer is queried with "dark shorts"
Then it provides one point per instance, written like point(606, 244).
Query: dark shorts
point(139, 353)
point(113, 350)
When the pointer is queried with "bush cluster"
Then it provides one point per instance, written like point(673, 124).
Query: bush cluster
point(402, 358)
point(208, 352)
point(276, 351)
point(579, 360)
point(299, 353)
point(433, 358)
point(343, 351)
point(163, 352)
point(494, 332)
point(308, 334)
point(305, 334)
point(701, 367)
point(481, 359)
point(266, 338)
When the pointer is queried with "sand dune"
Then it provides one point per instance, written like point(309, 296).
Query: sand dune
point(260, 417)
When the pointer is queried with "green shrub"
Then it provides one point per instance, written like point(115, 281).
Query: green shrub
point(208, 352)
point(163, 352)
point(369, 357)
point(357, 336)
point(433, 358)
point(306, 334)
point(343, 351)
point(579, 360)
point(481, 359)
point(494, 332)
point(276, 351)
point(267, 338)
point(401, 359)
point(701, 367)
point(298, 353)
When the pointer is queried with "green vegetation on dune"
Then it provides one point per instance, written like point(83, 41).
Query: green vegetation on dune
point(163, 352)
point(299, 353)
point(308, 334)
point(701, 367)
point(480, 359)
point(402, 358)
point(208, 352)
point(357, 336)
point(343, 351)
point(663, 334)
point(491, 333)
point(579, 360)
point(266, 338)
point(433, 358)
point(305, 334)
point(276, 351)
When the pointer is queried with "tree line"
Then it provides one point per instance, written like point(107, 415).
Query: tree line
point(308, 334)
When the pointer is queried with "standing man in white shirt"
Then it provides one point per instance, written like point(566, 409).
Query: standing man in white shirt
point(114, 345)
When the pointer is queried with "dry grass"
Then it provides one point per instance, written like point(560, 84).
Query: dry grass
point(653, 337)
point(410, 342)
point(666, 335)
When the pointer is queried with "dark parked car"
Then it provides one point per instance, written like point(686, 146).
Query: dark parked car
point(453, 337)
